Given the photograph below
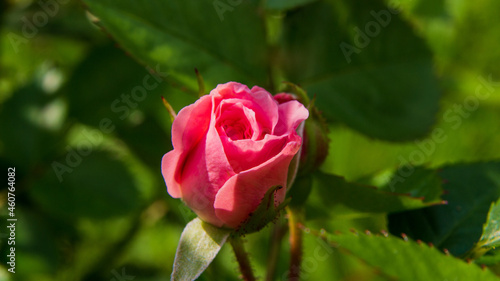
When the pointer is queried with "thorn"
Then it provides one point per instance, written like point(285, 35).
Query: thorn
point(446, 252)
point(322, 233)
point(419, 242)
point(367, 232)
point(444, 181)
point(301, 226)
point(444, 202)
point(405, 237)
point(334, 244)
point(430, 245)
point(352, 230)
point(338, 232)
point(169, 108)
point(469, 260)
point(201, 83)
point(483, 267)
point(385, 233)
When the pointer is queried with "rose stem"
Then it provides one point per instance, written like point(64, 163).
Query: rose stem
point(279, 230)
point(242, 258)
point(294, 218)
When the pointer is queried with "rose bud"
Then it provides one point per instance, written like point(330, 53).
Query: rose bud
point(315, 143)
point(230, 148)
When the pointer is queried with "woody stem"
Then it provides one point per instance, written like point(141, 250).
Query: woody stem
point(279, 230)
point(242, 258)
point(294, 219)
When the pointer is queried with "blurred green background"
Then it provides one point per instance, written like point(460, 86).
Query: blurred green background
point(81, 118)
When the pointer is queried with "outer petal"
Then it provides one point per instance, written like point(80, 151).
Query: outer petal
point(205, 171)
point(291, 114)
point(242, 193)
point(246, 154)
point(184, 137)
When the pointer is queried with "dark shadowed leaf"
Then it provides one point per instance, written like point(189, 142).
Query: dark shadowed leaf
point(286, 4)
point(365, 65)
point(422, 182)
point(471, 188)
point(337, 197)
point(94, 186)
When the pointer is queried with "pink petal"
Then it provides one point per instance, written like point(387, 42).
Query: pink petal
point(184, 138)
point(262, 102)
point(291, 114)
point(242, 193)
point(246, 154)
point(236, 113)
point(205, 171)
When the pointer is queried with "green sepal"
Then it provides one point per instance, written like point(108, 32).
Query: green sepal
point(199, 244)
point(265, 213)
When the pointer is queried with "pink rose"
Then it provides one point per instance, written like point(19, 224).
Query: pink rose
point(230, 147)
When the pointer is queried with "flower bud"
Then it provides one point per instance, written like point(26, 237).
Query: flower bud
point(315, 143)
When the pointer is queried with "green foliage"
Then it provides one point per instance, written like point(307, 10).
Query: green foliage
point(489, 239)
point(82, 190)
point(157, 33)
point(334, 197)
point(405, 102)
point(423, 183)
point(370, 85)
point(491, 233)
point(471, 188)
point(286, 4)
point(407, 260)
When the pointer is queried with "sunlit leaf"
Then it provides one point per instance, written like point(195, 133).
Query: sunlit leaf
point(407, 260)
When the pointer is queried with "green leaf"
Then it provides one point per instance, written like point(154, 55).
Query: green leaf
point(179, 35)
point(422, 182)
point(386, 90)
point(407, 260)
point(94, 186)
point(491, 231)
point(471, 188)
point(199, 244)
point(286, 4)
point(31, 123)
point(130, 105)
point(337, 197)
point(490, 258)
